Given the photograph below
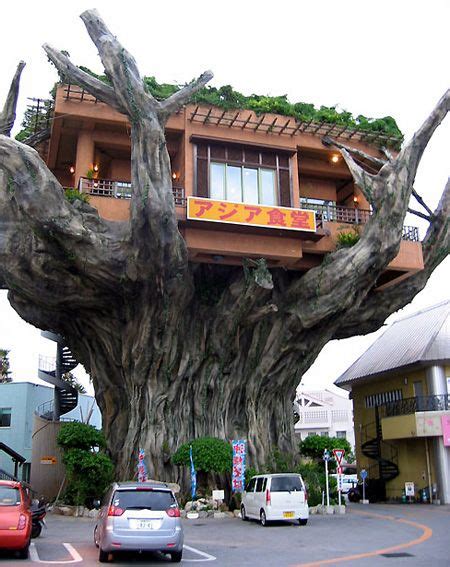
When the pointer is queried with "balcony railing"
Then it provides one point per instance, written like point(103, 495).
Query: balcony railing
point(121, 189)
point(413, 405)
point(337, 213)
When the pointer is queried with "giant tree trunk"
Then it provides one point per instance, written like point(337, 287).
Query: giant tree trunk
point(179, 350)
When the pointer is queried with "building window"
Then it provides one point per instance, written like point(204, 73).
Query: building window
point(324, 434)
point(341, 434)
point(5, 417)
point(243, 184)
point(383, 398)
point(241, 174)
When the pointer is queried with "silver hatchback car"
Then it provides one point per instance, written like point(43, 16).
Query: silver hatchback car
point(139, 517)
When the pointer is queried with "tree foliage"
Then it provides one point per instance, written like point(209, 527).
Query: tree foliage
point(88, 470)
point(5, 374)
point(315, 445)
point(209, 455)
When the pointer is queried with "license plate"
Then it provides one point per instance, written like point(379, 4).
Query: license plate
point(141, 524)
point(288, 514)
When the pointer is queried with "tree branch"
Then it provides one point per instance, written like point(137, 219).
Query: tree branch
point(327, 141)
point(419, 214)
point(176, 101)
point(71, 73)
point(120, 66)
point(8, 114)
point(378, 305)
point(421, 202)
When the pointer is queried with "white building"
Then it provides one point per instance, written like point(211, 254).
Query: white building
point(324, 412)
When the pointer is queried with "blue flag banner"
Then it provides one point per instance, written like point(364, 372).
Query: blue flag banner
point(193, 475)
point(238, 472)
point(141, 468)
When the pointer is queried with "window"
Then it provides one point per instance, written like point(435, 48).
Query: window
point(383, 398)
point(324, 434)
point(251, 485)
point(244, 175)
point(259, 484)
point(5, 417)
point(341, 434)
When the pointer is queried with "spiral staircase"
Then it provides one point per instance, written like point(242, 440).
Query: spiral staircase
point(51, 371)
point(385, 454)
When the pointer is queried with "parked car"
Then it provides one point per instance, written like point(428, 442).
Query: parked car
point(349, 481)
point(139, 517)
point(15, 517)
point(275, 497)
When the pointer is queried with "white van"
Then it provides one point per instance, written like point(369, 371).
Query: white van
point(270, 497)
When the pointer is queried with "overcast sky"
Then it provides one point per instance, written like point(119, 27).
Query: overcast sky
point(376, 59)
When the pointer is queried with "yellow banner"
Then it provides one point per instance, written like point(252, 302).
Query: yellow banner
point(253, 215)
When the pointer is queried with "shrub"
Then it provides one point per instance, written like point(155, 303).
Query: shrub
point(88, 469)
point(314, 446)
point(209, 455)
point(73, 195)
point(348, 238)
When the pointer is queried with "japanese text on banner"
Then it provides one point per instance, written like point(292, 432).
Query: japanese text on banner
point(238, 472)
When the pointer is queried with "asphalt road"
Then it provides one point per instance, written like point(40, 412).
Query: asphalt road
point(373, 535)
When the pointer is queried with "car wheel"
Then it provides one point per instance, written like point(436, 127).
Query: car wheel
point(103, 556)
point(244, 516)
point(262, 517)
point(303, 521)
point(176, 556)
point(23, 553)
point(96, 537)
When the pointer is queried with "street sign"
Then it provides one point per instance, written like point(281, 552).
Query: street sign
point(340, 483)
point(339, 470)
point(338, 455)
point(409, 488)
point(363, 474)
point(326, 455)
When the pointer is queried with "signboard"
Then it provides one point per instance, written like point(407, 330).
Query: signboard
point(326, 455)
point(48, 460)
point(339, 470)
point(363, 474)
point(338, 455)
point(193, 474)
point(238, 472)
point(445, 419)
point(409, 488)
point(218, 494)
point(340, 483)
point(264, 216)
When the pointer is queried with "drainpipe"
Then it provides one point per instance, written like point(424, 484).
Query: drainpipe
point(437, 386)
point(427, 451)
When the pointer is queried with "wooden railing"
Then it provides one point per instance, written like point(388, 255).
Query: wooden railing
point(121, 189)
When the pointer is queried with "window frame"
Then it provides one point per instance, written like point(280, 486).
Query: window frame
point(5, 414)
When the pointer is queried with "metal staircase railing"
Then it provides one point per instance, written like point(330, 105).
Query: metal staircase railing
point(51, 370)
point(384, 454)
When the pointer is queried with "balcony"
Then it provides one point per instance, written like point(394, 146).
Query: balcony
point(121, 189)
point(414, 417)
point(336, 213)
point(417, 404)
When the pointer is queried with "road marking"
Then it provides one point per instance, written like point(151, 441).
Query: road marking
point(426, 534)
point(207, 556)
point(76, 557)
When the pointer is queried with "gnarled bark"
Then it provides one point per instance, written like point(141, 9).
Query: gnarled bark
point(178, 350)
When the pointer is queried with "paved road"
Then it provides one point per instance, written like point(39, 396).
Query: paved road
point(374, 535)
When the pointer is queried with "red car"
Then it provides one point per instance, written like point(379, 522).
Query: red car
point(15, 517)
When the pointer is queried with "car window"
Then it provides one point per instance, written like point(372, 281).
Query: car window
point(9, 496)
point(286, 484)
point(251, 485)
point(264, 484)
point(142, 498)
point(259, 484)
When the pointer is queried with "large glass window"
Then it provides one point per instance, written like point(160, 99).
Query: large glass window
point(5, 417)
point(243, 184)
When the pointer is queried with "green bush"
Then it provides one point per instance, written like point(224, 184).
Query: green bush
point(348, 238)
point(313, 475)
point(209, 455)
point(88, 469)
point(73, 195)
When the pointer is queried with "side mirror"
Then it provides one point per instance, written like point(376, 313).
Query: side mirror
point(96, 504)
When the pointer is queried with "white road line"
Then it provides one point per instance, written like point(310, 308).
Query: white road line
point(207, 556)
point(76, 557)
